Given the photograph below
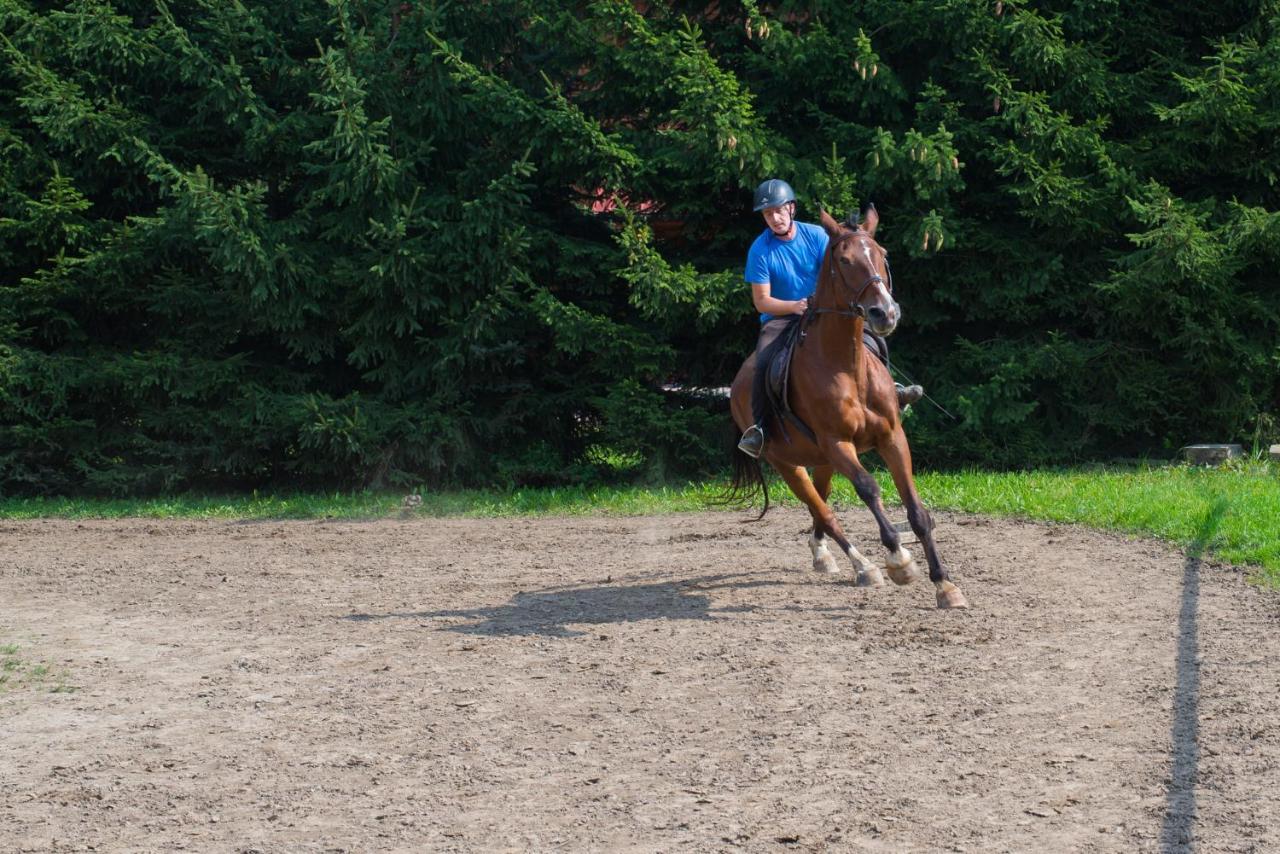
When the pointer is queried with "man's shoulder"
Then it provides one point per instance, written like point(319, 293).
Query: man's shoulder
point(813, 232)
point(757, 271)
point(763, 241)
point(762, 247)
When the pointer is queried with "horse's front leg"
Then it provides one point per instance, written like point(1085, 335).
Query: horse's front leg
point(896, 454)
point(899, 563)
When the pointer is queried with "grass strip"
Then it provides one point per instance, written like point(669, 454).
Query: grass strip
point(1171, 502)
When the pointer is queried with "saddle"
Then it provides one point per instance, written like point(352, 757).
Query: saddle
point(776, 364)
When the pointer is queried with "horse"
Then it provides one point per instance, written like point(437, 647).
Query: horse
point(849, 402)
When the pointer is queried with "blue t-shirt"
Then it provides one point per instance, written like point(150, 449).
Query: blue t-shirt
point(789, 267)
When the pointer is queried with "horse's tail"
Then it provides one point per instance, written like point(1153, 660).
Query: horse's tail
point(748, 479)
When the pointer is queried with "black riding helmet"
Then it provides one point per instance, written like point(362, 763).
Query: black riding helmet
point(772, 193)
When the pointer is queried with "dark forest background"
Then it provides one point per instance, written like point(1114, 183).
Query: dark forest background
point(349, 244)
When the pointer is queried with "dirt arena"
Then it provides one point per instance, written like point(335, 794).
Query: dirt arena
point(672, 683)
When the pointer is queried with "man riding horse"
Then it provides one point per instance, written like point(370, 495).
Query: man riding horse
point(782, 269)
point(840, 398)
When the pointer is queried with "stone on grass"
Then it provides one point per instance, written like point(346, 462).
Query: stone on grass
point(1211, 455)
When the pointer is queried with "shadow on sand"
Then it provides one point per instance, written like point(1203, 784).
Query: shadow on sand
point(1180, 799)
point(550, 612)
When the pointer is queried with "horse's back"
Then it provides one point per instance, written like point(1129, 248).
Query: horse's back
point(876, 415)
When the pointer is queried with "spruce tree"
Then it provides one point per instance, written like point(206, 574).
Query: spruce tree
point(350, 243)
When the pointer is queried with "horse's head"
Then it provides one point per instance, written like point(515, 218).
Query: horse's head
point(855, 274)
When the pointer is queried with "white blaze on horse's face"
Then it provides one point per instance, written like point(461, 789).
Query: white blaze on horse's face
point(883, 312)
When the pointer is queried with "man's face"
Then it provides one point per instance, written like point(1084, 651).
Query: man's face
point(779, 219)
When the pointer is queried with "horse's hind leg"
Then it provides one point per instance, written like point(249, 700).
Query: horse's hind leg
point(823, 560)
point(896, 454)
point(814, 495)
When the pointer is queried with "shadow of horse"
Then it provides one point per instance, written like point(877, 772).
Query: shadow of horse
point(551, 611)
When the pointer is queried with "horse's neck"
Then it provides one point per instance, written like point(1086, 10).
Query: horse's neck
point(837, 342)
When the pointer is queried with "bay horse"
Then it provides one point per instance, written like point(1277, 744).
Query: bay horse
point(847, 398)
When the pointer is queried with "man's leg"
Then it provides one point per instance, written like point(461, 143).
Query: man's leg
point(752, 441)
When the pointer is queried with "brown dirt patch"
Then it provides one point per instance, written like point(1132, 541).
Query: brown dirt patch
point(655, 683)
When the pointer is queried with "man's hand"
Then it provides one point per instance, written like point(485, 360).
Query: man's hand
point(799, 306)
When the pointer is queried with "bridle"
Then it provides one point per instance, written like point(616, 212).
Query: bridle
point(855, 305)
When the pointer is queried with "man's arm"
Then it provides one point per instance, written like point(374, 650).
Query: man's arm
point(766, 304)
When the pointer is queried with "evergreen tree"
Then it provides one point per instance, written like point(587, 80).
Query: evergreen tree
point(353, 243)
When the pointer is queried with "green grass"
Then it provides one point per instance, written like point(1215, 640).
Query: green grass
point(1172, 502)
point(16, 670)
point(301, 506)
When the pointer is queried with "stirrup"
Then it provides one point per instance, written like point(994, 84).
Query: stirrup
point(908, 394)
point(752, 442)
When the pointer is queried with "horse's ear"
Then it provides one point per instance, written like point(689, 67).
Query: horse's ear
point(870, 219)
point(832, 227)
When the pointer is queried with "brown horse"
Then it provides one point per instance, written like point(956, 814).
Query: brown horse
point(847, 398)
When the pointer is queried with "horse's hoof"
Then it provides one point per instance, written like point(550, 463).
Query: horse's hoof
point(870, 579)
point(826, 565)
point(903, 575)
point(950, 597)
point(901, 567)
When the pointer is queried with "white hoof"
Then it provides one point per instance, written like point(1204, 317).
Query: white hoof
point(901, 567)
point(868, 573)
point(823, 561)
point(869, 576)
point(826, 564)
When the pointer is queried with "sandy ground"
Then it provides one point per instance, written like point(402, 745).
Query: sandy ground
point(673, 683)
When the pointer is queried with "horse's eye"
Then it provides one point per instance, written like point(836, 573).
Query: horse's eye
point(845, 261)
